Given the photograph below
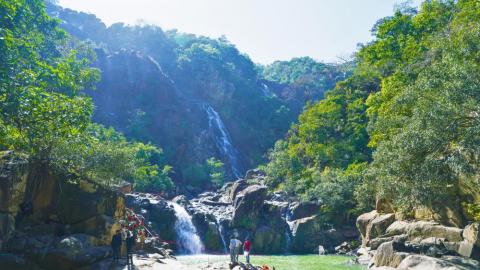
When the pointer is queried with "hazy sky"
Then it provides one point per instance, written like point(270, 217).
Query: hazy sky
point(266, 30)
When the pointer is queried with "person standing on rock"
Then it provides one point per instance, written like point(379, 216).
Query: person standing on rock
point(235, 245)
point(116, 245)
point(246, 249)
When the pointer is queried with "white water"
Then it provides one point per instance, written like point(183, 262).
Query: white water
point(223, 140)
point(266, 91)
point(187, 238)
point(221, 230)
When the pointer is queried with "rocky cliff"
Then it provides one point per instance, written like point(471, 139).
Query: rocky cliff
point(49, 221)
point(434, 241)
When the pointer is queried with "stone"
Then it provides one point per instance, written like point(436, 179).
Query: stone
point(236, 188)
point(254, 173)
point(422, 262)
point(380, 224)
point(364, 224)
point(14, 171)
point(446, 213)
point(300, 210)
point(343, 248)
point(7, 226)
point(424, 229)
point(384, 206)
point(471, 233)
point(387, 256)
point(267, 240)
point(248, 204)
point(308, 233)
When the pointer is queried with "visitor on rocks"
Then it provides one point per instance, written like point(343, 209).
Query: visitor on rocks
point(246, 249)
point(235, 246)
point(130, 242)
point(116, 245)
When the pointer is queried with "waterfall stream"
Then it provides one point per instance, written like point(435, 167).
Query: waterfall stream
point(221, 230)
point(187, 238)
point(223, 140)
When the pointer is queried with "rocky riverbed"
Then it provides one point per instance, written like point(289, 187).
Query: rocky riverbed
point(275, 223)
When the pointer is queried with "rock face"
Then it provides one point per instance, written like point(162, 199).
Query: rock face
point(248, 204)
point(51, 223)
point(158, 214)
point(417, 244)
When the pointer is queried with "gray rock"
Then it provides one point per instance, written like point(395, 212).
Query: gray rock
point(387, 256)
point(424, 229)
point(422, 262)
point(471, 233)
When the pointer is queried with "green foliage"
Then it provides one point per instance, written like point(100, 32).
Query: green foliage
point(413, 99)
point(43, 114)
point(472, 210)
point(216, 171)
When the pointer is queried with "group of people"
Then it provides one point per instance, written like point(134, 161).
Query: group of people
point(117, 241)
point(236, 247)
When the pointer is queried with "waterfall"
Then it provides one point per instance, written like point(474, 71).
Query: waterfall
point(187, 238)
point(221, 230)
point(266, 91)
point(223, 141)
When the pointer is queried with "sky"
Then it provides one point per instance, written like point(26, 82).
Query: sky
point(266, 30)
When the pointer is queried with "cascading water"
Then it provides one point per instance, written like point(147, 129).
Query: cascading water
point(266, 91)
point(221, 230)
point(223, 141)
point(187, 238)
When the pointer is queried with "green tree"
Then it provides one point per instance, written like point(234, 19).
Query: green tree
point(216, 171)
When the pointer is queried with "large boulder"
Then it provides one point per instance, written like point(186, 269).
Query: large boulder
point(447, 213)
point(471, 233)
point(364, 225)
point(418, 230)
point(157, 212)
point(422, 262)
point(14, 171)
point(309, 233)
point(379, 225)
point(248, 204)
point(300, 210)
point(268, 240)
point(387, 256)
point(237, 186)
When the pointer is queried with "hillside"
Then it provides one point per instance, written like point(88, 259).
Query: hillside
point(193, 96)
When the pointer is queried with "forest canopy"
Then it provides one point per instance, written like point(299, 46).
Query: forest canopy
point(404, 127)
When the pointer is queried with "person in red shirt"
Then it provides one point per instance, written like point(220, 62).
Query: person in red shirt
point(246, 249)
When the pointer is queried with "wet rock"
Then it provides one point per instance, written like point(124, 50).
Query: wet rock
point(343, 248)
point(181, 200)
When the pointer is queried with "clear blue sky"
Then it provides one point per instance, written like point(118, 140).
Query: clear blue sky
point(266, 30)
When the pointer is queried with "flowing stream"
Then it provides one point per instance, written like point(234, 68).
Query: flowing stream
point(223, 140)
point(187, 238)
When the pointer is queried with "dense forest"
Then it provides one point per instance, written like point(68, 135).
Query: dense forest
point(204, 99)
point(404, 127)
